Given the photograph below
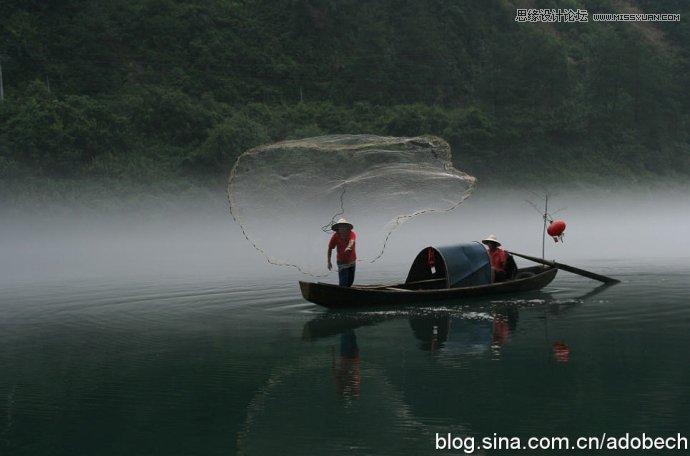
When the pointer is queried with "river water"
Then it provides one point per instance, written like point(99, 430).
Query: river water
point(107, 360)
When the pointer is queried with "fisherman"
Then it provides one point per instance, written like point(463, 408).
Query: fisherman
point(343, 240)
point(498, 258)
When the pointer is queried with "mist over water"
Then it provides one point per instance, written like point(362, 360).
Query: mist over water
point(165, 330)
point(184, 244)
point(202, 241)
point(600, 224)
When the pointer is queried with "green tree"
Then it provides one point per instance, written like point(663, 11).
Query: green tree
point(225, 142)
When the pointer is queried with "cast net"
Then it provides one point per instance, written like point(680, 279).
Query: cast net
point(286, 196)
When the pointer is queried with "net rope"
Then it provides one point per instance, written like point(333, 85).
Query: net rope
point(281, 194)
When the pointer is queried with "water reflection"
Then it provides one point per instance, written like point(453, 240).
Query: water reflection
point(346, 371)
point(561, 352)
point(390, 381)
point(465, 334)
point(296, 407)
point(449, 331)
point(440, 331)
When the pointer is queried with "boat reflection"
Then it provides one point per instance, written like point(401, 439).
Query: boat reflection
point(472, 329)
point(466, 334)
point(442, 333)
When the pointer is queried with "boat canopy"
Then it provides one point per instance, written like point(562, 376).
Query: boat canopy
point(452, 266)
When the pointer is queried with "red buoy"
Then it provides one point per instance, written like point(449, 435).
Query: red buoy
point(556, 229)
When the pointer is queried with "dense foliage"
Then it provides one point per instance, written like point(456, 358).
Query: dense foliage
point(145, 89)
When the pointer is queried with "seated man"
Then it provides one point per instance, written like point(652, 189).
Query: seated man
point(498, 258)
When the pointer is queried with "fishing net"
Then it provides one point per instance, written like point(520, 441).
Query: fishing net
point(285, 196)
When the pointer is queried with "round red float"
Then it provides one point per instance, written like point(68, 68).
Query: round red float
point(556, 229)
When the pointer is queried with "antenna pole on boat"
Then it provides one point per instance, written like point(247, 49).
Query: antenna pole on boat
point(543, 236)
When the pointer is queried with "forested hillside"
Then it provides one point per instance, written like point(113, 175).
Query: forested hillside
point(161, 89)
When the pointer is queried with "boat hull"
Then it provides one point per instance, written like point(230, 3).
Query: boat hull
point(336, 297)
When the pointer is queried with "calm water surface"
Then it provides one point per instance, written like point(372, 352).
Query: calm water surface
point(167, 366)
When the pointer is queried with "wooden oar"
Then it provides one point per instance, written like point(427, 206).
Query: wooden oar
point(565, 267)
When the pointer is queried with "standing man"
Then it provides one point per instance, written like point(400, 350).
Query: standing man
point(343, 240)
point(498, 258)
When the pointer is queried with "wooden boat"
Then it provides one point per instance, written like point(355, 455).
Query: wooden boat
point(334, 296)
point(438, 274)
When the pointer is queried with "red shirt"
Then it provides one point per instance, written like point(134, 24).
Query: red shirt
point(340, 244)
point(498, 258)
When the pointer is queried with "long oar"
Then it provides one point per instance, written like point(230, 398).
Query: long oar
point(565, 267)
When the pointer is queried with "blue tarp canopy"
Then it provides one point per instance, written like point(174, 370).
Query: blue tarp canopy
point(460, 265)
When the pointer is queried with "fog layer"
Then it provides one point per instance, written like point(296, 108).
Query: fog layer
point(206, 244)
